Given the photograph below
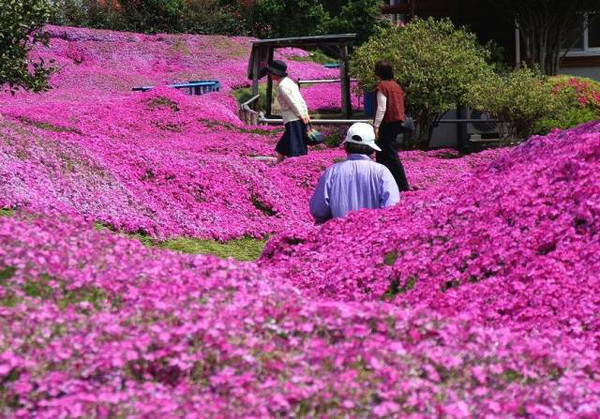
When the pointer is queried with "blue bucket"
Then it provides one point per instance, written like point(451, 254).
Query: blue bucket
point(369, 100)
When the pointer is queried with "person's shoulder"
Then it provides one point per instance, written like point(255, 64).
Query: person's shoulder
point(288, 82)
point(383, 171)
point(380, 168)
point(288, 85)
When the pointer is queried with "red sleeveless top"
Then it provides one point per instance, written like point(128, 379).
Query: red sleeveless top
point(395, 101)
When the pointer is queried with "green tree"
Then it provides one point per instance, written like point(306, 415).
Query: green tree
point(152, 16)
point(21, 23)
point(433, 61)
point(216, 17)
point(283, 18)
point(88, 14)
point(359, 16)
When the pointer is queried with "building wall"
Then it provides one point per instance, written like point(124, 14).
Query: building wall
point(581, 64)
point(591, 72)
point(477, 17)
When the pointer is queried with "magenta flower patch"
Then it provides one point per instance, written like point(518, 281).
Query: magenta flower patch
point(477, 295)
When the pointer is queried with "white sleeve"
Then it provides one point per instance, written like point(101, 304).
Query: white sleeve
point(296, 102)
point(381, 108)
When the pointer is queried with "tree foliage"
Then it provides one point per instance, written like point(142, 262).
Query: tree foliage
point(21, 23)
point(291, 17)
point(547, 27)
point(362, 17)
point(260, 18)
point(434, 62)
point(152, 15)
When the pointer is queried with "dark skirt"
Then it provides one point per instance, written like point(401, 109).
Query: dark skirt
point(388, 156)
point(292, 142)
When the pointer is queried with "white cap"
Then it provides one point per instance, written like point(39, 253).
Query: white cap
point(361, 133)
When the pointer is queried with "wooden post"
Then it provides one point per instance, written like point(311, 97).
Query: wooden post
point(412, 8)
point(462, 136)
point(255, 70)
point(270, 85)
point(345, 82)
point(517, 44)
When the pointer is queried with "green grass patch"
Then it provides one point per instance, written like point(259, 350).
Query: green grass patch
point(163, 102)
point(5, 212)
point(7, 273)
point(317, 56)
point(49, 127)
point(390, 257)
point(395, 288)
point(41, 288)
point(245, 94)
point(246, 249)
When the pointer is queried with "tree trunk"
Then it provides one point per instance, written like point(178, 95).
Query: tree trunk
point(547, 27)
point(426, 124)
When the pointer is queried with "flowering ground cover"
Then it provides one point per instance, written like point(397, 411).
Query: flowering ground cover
point(159, 163)
point(97, 325)
point(476, 296)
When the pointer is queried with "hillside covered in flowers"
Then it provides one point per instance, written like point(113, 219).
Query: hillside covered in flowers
point(476, 296)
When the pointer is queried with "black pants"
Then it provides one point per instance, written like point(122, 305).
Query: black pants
point(388, 156)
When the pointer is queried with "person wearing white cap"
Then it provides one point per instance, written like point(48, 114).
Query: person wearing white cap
point(356, 183)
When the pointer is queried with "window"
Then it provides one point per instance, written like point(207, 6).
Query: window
point(589, 41)
point(395, 17)
point(594, 32)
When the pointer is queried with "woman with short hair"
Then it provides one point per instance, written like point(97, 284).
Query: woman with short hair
point(389, 121)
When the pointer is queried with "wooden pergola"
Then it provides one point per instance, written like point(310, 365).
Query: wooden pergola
point(263, 51)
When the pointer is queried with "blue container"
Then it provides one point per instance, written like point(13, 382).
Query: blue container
point(369, 100)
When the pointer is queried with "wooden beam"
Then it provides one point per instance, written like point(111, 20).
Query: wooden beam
point(255, 71)
point(345, 82)
point(580, 61)
point(308, 40)
point(270, 85)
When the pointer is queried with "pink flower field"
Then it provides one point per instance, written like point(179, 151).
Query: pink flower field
point(476, 296)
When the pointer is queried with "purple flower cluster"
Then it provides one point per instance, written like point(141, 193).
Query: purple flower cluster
point(477, 295)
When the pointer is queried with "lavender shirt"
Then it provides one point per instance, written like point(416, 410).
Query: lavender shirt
point(356, 183)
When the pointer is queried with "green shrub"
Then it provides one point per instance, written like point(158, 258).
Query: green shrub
point(521, 98)
point(434, 62)
point(568, 118)
point(21, 23)
point(578, 101)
